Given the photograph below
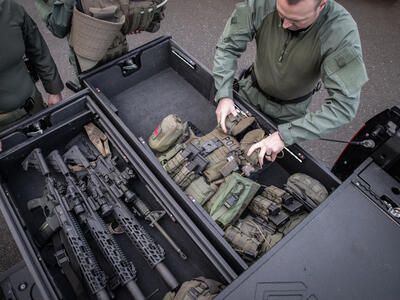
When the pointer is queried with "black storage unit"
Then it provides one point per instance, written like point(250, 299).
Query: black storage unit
point(59, 125)
point(346, 251)
point(169, 81)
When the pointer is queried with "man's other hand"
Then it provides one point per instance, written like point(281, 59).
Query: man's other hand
point(53, 99)
point(225, 108)
point(269, 148)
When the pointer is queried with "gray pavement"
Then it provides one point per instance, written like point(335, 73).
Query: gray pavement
point(196, 26)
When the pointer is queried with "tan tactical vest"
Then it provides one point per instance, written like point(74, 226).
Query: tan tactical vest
point(98, 32)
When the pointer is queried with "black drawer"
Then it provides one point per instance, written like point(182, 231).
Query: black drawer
point(170, 81)
point(60, 125)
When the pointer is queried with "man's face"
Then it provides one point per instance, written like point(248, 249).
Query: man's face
point(301, 15)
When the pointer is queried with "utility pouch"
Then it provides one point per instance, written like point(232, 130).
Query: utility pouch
point(143, 15)
point(200, 190)
point(263, 207)
point(250, 163)
point(221, 169)
point(199, 288)
point(232, 198)
point(246, 245)
point(306, 188)
point(171, 131)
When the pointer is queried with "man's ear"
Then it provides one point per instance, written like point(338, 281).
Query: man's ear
point(322, 4)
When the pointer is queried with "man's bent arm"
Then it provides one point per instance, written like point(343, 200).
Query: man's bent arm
point(39, 55)
point(343, 74)
point(232, 43)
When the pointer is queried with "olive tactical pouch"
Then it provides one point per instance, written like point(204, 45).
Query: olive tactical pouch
point(247, 246)
point(262, 231)
point(171, 131)
point(282, 197)
point(251, 238)
point(199, 288)
point(306, 188)
point(237, 124)
point(250, 163)
point(262, 207)
point(232, 198)
point(142, 15)
point(200, 190)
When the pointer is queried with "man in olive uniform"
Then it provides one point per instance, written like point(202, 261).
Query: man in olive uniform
point(20, 37)
point(299, 42)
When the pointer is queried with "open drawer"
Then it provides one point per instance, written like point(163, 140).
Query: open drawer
point(54, 129)
point(168, 81)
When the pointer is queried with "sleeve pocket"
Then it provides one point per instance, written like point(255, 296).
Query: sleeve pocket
point(347, 69)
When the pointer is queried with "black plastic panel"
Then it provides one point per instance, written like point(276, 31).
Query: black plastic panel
point(346, 249)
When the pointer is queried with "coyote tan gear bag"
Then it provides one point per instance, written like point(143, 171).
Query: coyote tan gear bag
point(142, 15)
point(305, 186)
point(200, 288)
point(232, 198)
point(171, 130)
point(93, 31)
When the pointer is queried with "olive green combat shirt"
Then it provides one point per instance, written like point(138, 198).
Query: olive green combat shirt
point(289, 64)
point(20, 36)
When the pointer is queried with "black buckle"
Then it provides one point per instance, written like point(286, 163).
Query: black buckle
point(61, 257)
point(29, 104)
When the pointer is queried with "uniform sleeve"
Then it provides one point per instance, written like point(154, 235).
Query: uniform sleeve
point(343, 74)
point(57, 15)
point(39, 54)
point(232, 43)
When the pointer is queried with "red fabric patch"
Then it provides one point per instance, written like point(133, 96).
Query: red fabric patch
point(156, 132)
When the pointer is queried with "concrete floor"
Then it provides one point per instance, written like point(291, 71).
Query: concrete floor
point(196, 26)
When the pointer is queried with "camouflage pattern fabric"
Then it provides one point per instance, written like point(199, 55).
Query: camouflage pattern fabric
point(274, 194)
point(199, 288)
point(247, 246)
point(251, 238)
point(260, 206)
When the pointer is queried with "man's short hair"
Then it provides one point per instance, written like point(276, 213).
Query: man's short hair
point(293, 2)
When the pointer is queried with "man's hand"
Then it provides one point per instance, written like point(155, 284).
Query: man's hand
point(269, 147)
point(225, 108)
point(53, 99)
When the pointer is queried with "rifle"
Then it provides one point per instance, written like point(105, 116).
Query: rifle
point(124, 269)
point(91, 272)
point(117, 180)
point(153, 253)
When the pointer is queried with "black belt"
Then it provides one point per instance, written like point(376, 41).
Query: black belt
point(280, 101)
